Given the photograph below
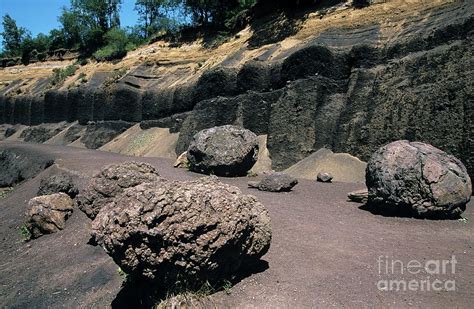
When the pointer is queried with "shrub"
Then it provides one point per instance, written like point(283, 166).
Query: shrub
point(60, 75)
point(116, 48)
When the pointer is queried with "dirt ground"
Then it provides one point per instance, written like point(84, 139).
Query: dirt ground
point(326, 252)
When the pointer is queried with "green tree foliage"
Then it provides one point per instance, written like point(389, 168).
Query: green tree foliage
point(150, 11)
point(102, 14)
point(13, 37)
point(205, 12)
point(117, 45)
point(72, 30)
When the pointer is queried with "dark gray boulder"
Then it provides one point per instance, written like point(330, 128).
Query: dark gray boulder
point(61, 182)
point(110, 182)
point(10, 131)
point(73, 133)
point(324, 177)
point(47, 214)
point(276, 182)
point(17, 165)
point(417, 178)
point(223, 151)
point(43, 132)
point(194, 231)
point(99, 133)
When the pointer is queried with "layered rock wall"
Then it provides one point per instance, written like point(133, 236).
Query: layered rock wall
point(342, 90)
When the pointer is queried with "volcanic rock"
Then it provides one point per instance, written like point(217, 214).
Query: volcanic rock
point(182, 161)
point(110, 182)
point(223, 151)
point(276, 182)
point(195, 231)
point(419, 178)
point(324, 177)
point(61, 182)
point(359, 196)
point(48, 214)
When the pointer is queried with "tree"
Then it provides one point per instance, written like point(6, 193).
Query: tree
point(13, 36)
point(149, 12)
point(72, 28)
point(116, 48)
point(102, 14)
point(155, 15)
point(214, 12)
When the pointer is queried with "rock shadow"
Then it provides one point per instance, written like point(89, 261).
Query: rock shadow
point(387, 211)
point(144, 294)
point(273, 28)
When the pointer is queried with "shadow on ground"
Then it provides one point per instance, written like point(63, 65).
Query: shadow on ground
point(142, 294)
point(386, 211)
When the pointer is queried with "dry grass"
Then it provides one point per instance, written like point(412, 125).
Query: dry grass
point(390, 16)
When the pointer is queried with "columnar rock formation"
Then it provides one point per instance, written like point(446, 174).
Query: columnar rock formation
point(350, 90)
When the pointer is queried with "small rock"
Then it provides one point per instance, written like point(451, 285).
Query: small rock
point(359, 196)
point(324, 177)
point(276, 182)
point(182, 161)
point(9, 132)
point(48, 213)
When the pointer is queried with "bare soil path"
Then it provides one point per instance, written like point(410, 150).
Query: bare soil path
point(325, 252)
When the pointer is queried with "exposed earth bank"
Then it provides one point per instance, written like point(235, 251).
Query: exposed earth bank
point(348, 80)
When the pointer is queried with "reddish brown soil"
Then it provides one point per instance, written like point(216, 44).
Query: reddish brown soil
point(324, 250)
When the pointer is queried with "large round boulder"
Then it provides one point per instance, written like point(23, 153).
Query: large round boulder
point(418, 178)
point(223, 151)
point(110, 182)
point(194, 231)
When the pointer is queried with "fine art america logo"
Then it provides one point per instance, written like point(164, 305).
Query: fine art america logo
point(424, 276)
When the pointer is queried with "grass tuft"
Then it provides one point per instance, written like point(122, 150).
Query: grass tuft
point(24, 233)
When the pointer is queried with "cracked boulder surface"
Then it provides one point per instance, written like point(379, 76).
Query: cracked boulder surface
point(110, 182)
point(223, 151)
point(62, 182)
point(418, 178)
point(47, 214)
point(195, 231)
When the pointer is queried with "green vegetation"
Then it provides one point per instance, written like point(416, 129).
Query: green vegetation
point(122, 274)
point(227, 286)
point(24, 233)
point(5, 191)
point(117, 46)
point(92, 27)
point(60, 75)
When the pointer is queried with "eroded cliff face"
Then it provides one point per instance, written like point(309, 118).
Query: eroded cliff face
point(350, 88)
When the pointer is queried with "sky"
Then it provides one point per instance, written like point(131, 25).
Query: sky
point(42, 15)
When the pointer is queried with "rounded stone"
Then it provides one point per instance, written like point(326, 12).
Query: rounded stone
point(418, 178)
point(195, 231)
point(223, 151)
